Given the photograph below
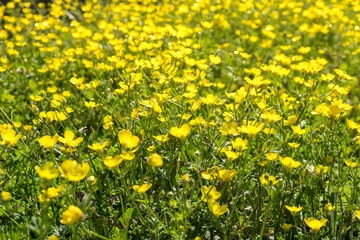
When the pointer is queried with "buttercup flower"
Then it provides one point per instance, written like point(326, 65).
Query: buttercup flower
point(47, 172)
point(155, 160)
point(9, 137)
point(315, 224)
point(72, 215)
point(127, 140)
point(73, 171)
point(181, 132)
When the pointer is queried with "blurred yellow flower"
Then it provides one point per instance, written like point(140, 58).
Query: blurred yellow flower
point(270, 181)
point(98, 147)
point(252, 130)
point(329, 207)
point(217, 210)
point(72, 215)
point(68, 140)
point(227, 175)
point(289, 163)
point(73, 171)
point(321, 169)
point(239, 144)
point(127, 140)
point(48, 142)
point(209, 194)
point(155, 160)
point(143, 188)
point(315, 224)
point(181, 132)
point(47, 172)
point(113, 162)
point(293, 210)
point(357, 214)
point(5, 196)
point(9, 137)
point(286, 226)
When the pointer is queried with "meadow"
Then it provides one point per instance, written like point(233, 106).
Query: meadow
point(179, 119)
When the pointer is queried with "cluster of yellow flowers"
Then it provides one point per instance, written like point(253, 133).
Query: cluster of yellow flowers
point(179, 119)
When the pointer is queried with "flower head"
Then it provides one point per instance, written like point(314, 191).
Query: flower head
point(289, 163)
point(47, 172)
point(216, 209)
point(143, 188)
point(73, 171)
point(98, 147)
point(5, 196)
point(181, 132)
point(113, 162)
point(68, 140)
point(293, 210)
point(72, 215)
point(227, 175)
point(270, 181)
point(155, 160)
point(9, 137)
point(209, 194)
point(48, 142)
point(127, 140)
point(315, 224)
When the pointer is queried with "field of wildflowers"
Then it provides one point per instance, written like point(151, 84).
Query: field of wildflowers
point(180, 119)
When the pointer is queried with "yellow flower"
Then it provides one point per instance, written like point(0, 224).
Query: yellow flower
point(113, 162)
point(342, 74)
point(128, 155)
point(315, 224)
point(294, 145)
point(286, 226)
point(298, 130)
point(291, 121)
point(329, 207)
point(217, 210)
point(214, 59)
point(74, 172)
point(270, 181)
point(143, 188)
point(181, 132)
point(9, 137)
point(239, 144)
point(127, 140)
point(68, 140)
point(5, 196)
point(162, 138)
point(212, 175)
point(357, 214)
point(48, 172)
point(231, 156)
point(72, 215)
point(271, 156)
point(209, 194)
point(321, 169)
point(155, 160)
point(271, 117)
point(350, 163)
point(227, 175)
point(49, 194)
point(48, 142)
point(98, 147)
point(252, 130)
point(293, 210)
point(289, 163)
point(53, 237)
point(91, 105)
point(352, 125)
